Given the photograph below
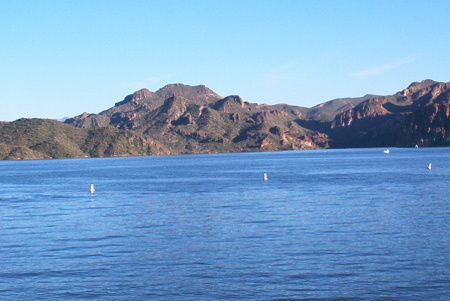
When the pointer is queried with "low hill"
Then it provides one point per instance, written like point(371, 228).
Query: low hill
point(47, 139)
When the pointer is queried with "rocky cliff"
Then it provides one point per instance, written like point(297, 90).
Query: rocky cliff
point(389, 120)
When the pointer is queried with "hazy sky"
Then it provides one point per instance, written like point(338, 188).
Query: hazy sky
point(61, 58)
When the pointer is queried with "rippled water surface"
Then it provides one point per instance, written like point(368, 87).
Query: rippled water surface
point(326, 225)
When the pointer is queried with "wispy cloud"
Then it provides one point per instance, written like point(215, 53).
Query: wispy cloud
point(287, 72)
point(383, 68)
point(301, 69)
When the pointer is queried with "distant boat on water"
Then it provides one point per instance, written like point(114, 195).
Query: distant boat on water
point(386, 151)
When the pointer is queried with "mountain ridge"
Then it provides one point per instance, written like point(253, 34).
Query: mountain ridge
point(183, 119)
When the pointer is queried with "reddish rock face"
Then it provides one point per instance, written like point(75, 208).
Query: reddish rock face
point(427, 126)
point(367, 109)
point(141, 94)
point(402, 119)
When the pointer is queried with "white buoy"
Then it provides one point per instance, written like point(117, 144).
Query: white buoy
point(265, 177)
point(429, 166)
point(92, 189)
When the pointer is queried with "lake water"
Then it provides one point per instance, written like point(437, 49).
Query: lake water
point(353, 224)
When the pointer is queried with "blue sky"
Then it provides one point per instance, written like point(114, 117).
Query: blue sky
point(61, 58)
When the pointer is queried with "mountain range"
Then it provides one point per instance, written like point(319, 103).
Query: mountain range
point(182, 119)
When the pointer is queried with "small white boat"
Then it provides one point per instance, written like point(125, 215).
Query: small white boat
point(429, 166)
point(92, 189)
point(265, 177)
point(386, 151)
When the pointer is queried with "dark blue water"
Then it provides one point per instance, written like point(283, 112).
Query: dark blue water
point(326, 225)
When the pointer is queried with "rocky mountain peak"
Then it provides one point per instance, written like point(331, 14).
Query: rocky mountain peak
point(423, 84)
point(141, 94)
point(229, 104)
point(180, 90)
point(136, 96)
point(416, 86)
